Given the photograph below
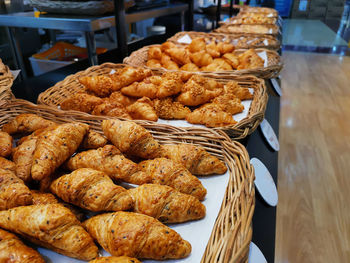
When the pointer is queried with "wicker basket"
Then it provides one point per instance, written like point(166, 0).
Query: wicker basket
point(6, 81)
point(232, 232)
point(139, 58)
point(273, 43)
point(247, 29)
point(74, 7)
point(70, 85)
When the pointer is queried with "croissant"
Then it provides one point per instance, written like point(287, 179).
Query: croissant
point(81, 102)
point(210, 115)
point(232, 87)
point(121, 259)
point(26, 123)
point(190, 67)
point(136, 235)
point(197, 45)
point(179, 55)
point(218, 64)
point(12, 250)
point(142, 109)
point(93, 140)
point(166, 204)
point(231, 59)
point(130, 75)
point(197, 160)
point(7, 165)
point(101, 85)
point(212, 50)
point(201, 58)
point(171, 65)
point(13, 192)
point(117, 96)
point(111, 108)
point(167, 172)
point(225, 47)
point(169, 109)
point(154, 53)
point(55, 146)
point(141, 89)
point(5, 144)
point(92, 190)
point(110, 161)
point(154, 63)
point(40, 198)
point(130, 138)
point(249, 59)
point(167, 45)
point(229, 103)
point(52, 226)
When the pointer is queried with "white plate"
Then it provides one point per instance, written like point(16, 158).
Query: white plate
point(255, 254)
point(276, 86)
point(270, 135)
point(186, 39)
point(264, 182)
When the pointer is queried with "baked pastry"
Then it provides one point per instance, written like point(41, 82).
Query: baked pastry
point(81, 102)
point(167, 172)
point(232, 87)
point(249, 60)
point(130, 138)
point(201, 58)
point(110, 161)
point(7, 165)
point(153, 63)
point(117, 96)
point(93, 140)
point(52, 226)
point(26, 123)
point(121, 259)
point(55, 146)
point(194, 158)
point(154, 53)
point(111, 108)
point(169, 109)
point(142, 109)
point(136, 235)
point(179, 55)
point(197, 44)
point(231, 59)
point(190, 67)
point(5, 144)
point(92, 190)
point(12, 250)
point(228, 103)
point(13, 191)
point(212, 49)
point(166, 204)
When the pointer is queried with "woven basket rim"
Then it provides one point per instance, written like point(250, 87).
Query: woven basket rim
point(234, 221)
point(230, 37)
point(6, 82)
point(138, 58)
point(54, 95)
point(223, 29)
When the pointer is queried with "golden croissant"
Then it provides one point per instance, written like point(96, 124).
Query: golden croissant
point(12, 250)
point(13, 191)
point(122, 259)
point(130, 138)
point(111, 108)
point(110, 161)
point(242, 93)
point(142, 109)
point(197, 160)
point(169, 109)
point(7, 165)
point(229, 103)
point(197, 44)
point(179, 55)
point(201, 58)
point(136, 235)
point(101, 85)
point(5, 144)
point(93, 140)
point(92, 190)
point(81, 102)
point(52, 226)
point(210, 115)
point(167, 172)
point(55, 146)
point(212, 49)
point(26, 123)
point(40, 198)
point(154, 53)
point(166, 204)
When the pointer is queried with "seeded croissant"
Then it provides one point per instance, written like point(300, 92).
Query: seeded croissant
point(136, 235)
point(197, 160)
point(110, 161)
point(130, 138)
point(5, 144)
point(166, 204)
point(91, 190)
point(13, 191)
point(55, 146)
point(166, 172)
point(26, 123)
point(121, 259)
point(12, 250)
point(52, 226)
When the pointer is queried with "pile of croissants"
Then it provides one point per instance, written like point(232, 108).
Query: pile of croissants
point(57, 172)
point(200, 55)
point(136, 93)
